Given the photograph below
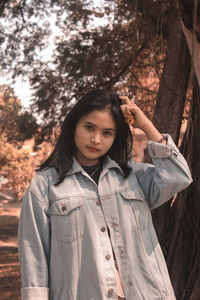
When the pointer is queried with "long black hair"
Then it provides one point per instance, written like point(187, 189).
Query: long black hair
point(61, 157)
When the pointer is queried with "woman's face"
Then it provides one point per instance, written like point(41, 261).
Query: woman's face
point(94, 135)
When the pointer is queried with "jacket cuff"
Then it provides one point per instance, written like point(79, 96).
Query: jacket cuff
point(160, 150)
point(35, 293)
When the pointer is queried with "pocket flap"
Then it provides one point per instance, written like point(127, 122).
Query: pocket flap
point(64, 206)
point(136, 193)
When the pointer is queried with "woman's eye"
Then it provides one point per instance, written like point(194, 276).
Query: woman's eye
point(107, 133)
point(89, 127)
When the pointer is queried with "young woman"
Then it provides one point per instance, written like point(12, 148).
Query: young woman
point(85, 229)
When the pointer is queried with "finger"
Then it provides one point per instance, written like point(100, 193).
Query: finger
point(133, 101)
point(129, 109)
point(125, 99)
point(126, 110)
point(128, 114)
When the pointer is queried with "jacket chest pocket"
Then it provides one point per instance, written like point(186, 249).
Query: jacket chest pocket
point(67, 219)
point(134, 202)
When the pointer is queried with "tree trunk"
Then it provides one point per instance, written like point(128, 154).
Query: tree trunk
point(174, 81)
point(183, 256)
point(178, 225)
point(169, 107)
point(194, 47)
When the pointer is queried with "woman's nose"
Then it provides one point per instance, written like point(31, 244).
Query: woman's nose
point(96, 139)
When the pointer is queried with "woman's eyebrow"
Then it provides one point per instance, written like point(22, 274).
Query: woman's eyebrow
point(89, 123)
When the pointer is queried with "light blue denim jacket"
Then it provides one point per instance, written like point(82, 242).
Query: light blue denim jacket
point(64, 246)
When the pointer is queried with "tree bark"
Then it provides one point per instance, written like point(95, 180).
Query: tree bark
point(194, 47)
point(183, 257)
point(169, 108)
point(178, 225)
point(174, 81)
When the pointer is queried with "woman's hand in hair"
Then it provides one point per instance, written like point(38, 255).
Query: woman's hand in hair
point(130, 109)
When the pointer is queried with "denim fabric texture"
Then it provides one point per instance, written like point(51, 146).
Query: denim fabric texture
point(64, 247)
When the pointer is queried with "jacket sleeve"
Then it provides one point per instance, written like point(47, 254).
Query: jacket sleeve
point(168, 175)
point(34, 248)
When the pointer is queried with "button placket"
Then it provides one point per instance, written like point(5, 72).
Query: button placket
point(110, 292)
point(103, 229)
point(98, 202)
point(130, 283)
point(107, 206)
point(108, 257)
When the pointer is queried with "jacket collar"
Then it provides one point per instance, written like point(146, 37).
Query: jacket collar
point(108, 164)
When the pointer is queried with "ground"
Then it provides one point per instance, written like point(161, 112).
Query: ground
point(10, 282)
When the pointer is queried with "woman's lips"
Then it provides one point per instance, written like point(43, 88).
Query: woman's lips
point(92, 149)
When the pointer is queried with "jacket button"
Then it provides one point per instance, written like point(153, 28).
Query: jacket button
point(107, 256)
point(63, 208)
point(110, 292)
point(98, 202)
point(103, 229)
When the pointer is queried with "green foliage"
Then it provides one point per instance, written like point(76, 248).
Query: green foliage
point(10, 108)
point(114, 55)
point(27, 126)
point(16, 167)
point(117, 45)
point(17, 125)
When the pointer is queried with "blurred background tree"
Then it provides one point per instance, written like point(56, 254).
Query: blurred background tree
point(16, 168)
point(16, 126)
point(16, 123)
point(133, 47)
